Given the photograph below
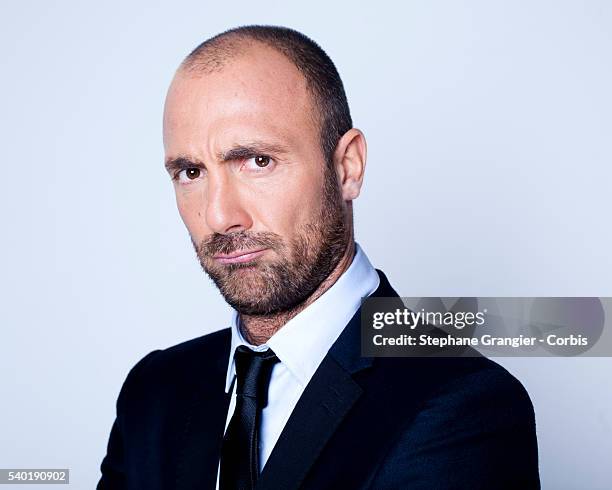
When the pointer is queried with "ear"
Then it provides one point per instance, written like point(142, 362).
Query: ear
point(349, 162)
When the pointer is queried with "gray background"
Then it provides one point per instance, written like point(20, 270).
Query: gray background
point(489, 174)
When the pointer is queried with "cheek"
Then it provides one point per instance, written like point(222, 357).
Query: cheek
point(295, 203)
point(191, 208)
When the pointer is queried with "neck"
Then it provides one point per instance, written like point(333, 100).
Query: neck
point(258, 329)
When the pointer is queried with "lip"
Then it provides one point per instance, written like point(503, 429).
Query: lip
point(239, 256)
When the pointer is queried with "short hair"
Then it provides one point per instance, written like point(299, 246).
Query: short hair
point(322, 78)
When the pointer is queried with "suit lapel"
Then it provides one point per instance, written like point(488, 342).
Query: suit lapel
point(327, 399)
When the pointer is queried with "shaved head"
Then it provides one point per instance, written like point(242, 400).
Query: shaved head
point(329, 103)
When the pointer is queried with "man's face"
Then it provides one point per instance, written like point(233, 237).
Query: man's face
point(265, 215)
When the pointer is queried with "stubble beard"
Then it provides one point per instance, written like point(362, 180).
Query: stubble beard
point(301, 265)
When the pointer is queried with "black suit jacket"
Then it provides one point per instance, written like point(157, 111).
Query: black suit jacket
point(379, 423)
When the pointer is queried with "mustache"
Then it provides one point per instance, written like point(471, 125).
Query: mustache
point(219, 243)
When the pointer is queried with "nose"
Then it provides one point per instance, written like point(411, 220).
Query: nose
point(225, 212)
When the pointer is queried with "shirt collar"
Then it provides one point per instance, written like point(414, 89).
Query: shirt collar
point(302, 343)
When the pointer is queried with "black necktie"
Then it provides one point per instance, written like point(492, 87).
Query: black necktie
point(240, 449)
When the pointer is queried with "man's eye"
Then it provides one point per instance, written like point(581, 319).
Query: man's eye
point(189, 174)
point(261, 161)
point(258, 164)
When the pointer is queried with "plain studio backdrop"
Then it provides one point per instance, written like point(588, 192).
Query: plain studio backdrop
point(488, 127)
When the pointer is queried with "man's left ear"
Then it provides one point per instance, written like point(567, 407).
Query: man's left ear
point(350, 161)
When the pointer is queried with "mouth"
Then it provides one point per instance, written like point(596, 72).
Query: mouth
point(240, 256)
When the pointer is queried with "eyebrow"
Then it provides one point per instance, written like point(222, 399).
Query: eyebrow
point(182, 163)
point(250, 150)
point(237, 152)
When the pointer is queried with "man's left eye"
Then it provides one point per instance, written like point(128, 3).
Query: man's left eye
point(261, 161)
point(260, 164)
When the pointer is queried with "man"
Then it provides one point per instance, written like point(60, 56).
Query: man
point(265, 164)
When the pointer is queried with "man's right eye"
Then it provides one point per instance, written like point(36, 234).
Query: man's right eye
point(189, 174)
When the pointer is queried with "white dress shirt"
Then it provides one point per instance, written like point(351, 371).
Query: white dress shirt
point(301, 344)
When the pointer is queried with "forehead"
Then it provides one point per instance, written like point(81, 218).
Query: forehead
point(258, 93)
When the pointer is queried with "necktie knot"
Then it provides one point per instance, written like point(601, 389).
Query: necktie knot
point(253, 371)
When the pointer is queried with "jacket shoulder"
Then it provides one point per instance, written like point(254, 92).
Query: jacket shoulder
point(475, 429)
point(191, 353)
point(472, 383)
point(191, 366)
point(490, 390)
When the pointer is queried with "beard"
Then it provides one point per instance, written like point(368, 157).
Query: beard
point(302, 263)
